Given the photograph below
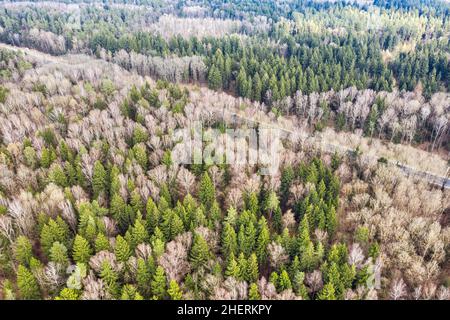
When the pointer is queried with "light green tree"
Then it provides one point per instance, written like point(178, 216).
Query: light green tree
point(99, 179)
point(207, 191)
point(253, 292)
point(200, 252)
point(81, 251)
point(23, 250)
point(27, 284)
point(159, 284)
point(122, 249)
point(174, 291)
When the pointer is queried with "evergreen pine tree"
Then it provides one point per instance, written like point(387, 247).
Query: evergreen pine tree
point(57, 176)
point(153, 215)
point(252, 272)
point(284, 282)
point(214, 78)
point(158, 284)
point(110, 278)
point(139, 232)
point(122, 249)
point(287, 176)
point(232, 269)
point(200, 253)
point(229, 240)
point(143, 277)
point(253, 292)
point(262, 241)
point(23, 250)
point(58, 254)
point(176, 226)
point(256, 88)
point(52, 231)
point(242, 84)
point(250, 238)
point(331, 220)
point(252, 203)
point(242, 264)
point(129, 292)
point(207, 191)
point(298, 285)
point(174, 291)
point(68, 294)
point(99, 179)
point(327, 293)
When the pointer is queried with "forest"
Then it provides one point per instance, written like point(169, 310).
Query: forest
point(94, 203)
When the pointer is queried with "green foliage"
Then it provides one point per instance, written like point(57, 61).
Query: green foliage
point(30, 156)
point(207, 191)
point(143, 276)
point(253, 292)
point(68, 294)
point(23, 250)
point(327, 293)
point(110, 278)
point(252, 272)
point(129, 292)
point(47, 157)
point(54, 231)
point(362, 235)
point(159, 284)
point(233, 269)
point(58, 254)
point(27, 284)
point(200, 252)
point(57, 176)
point(122, 249)
point(81, 251)
point(140, 155)
point(139, 135)
point(284, 282)
point(229, 240)
point(99, 179)
point(3, 94)
point(262, 241)
point(214, 78)
point(107, 87)
point(101, 243)
point(174, 291)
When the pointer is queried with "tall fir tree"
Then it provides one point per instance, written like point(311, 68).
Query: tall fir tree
point(262, 241)
point(229, 240)
point(252, 272)
point(327, 292)
point(253, 292)
point(232, 269)
point(174, 291)
point(23, 251)
point(27, 284)
point(122, 249)
point(99, 179)
point(207, 191)
point(214, 78)
point(200, 252)
point(159, 284)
